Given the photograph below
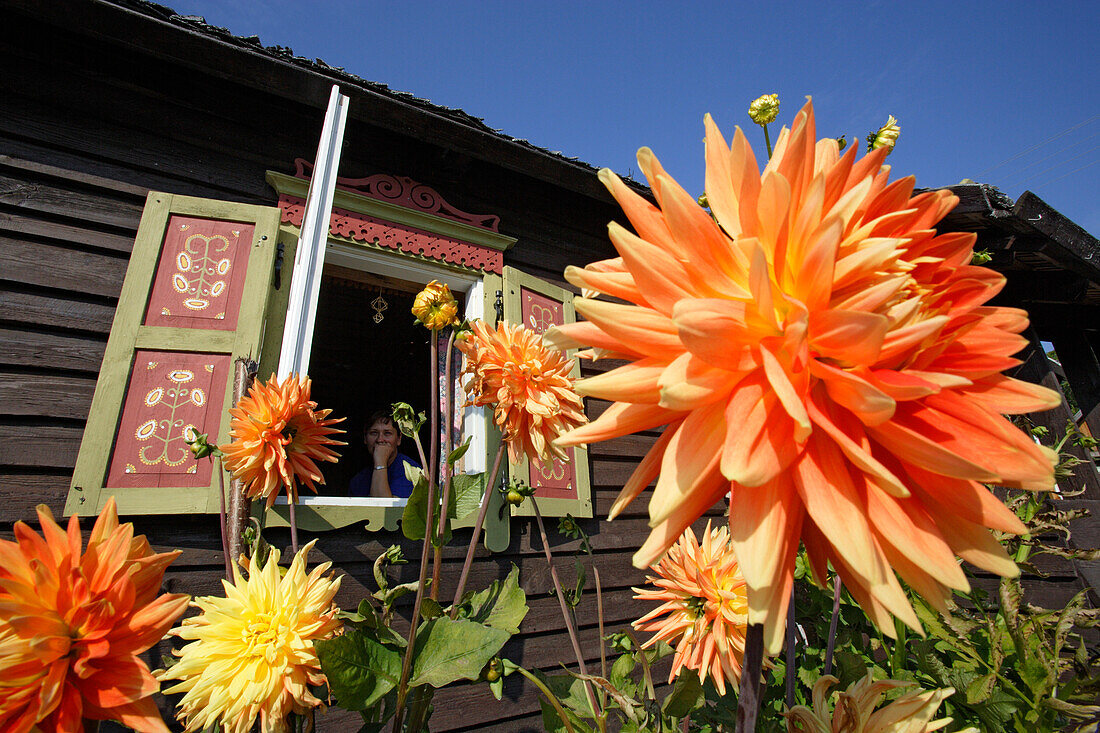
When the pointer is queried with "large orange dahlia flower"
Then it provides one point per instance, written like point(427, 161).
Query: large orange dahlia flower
point(73, 623)
point(278, 435)
point(821, 355)
point(703, 610)
point(527, 383)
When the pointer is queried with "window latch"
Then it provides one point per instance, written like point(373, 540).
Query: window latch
point(279, 264)
point(499, 305)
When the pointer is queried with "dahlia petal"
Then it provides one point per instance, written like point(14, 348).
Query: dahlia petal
point(595, 282)
point(1008, 396)
point(968, 500)
point(645, 330)
point(689, 382)
point(644, 216)
point(866, 401)
point(705, 495)
point(720, 332)
point(655, 272)
point(141, 716)
point(901, 340)
point(644, 473)
point(765, 523)
point(759, 434)
point(925, 443)
point(692, 454)
point(584, 333)
point(636, 382)
point(792, 402)
point(834, 504)
point(841, 431)
point(852, 337)
point(617, 420)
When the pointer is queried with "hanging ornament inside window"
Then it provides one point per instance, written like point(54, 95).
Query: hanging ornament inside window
point(379, 304)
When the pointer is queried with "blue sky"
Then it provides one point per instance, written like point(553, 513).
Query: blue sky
point(1006, 93)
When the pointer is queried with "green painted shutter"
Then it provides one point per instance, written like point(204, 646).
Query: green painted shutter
point(562, 487)
point(192, 302)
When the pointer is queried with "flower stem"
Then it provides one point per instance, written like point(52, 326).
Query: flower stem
point(791, 660)
point(549, 696)
point(603, 649)
point(768, 141)
point(448, 470)
point(293, 527)
point(482, 510)
point(429, 531)
point(222, 519)
point(748, 698)
point(838, 586)
point(565, 610)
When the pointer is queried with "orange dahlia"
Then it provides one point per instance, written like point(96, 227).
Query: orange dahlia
point(817, 351)
point(529, 385)
point(73, 623)
point(278, 435)
point(703, 609)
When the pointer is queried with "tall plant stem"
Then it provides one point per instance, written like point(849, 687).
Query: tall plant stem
point(748, 698)
point(768, 140)
point(549, 696)
point(565, 610)
point(831, 644)
point(599, 618)
point(789, 653)
point(239, 506)
point(481, 512)
point(222, 518)
point(429, 531)
point(293, 526)
point(448, 470)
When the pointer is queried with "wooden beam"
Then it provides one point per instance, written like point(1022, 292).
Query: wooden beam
point(1069, 244)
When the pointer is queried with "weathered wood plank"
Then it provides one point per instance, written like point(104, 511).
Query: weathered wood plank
point(109, 185)
point(21, 493)
point(74, 204)
point(16, 223)
point(45, 446)
point(45, 395)
point(34, 309)
point(45, 265)
point(26, 348)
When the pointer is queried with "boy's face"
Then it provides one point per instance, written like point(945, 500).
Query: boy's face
point(382, 432)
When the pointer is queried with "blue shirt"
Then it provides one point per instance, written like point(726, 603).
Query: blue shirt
point(400, 486)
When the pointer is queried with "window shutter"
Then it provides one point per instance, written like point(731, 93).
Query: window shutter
point(561, 487)
point(192, 302)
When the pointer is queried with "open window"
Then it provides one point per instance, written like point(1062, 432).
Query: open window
point(207, 284)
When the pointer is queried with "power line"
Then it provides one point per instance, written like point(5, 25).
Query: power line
point(1052, 155)
point(1059, 165)
point(1038, 145)
point(1075, 170)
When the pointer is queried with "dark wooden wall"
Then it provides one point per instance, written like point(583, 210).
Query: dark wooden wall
point(89, 124)
point(87, 127)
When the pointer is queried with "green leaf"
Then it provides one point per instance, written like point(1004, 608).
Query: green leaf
point(978, 690)
point(459, 451)
point(501, 606)
point(447, 650)
point(686, 695)
point(360, 671)
point(569, 690)
point(414, 519)
point(430, 608)
point(621, 674)
point(467, 490)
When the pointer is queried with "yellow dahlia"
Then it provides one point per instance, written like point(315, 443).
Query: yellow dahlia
point(435, 307)
point(527, 383)
point(251, 653)
point(703, 611)
point(854, 710)
point(73, 623)
point(764, 109)
point(278, 435)
point(821, 355)
point(885, 137)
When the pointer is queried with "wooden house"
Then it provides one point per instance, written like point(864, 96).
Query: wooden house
point(124, 125)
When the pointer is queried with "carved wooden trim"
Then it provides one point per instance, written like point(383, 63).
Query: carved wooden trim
point(361, 227)
point(404, 191)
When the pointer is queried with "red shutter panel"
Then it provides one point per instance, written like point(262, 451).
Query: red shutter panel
point(192, 302)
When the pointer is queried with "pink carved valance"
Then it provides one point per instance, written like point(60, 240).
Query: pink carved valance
point(409, 194)
point(401, 237)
